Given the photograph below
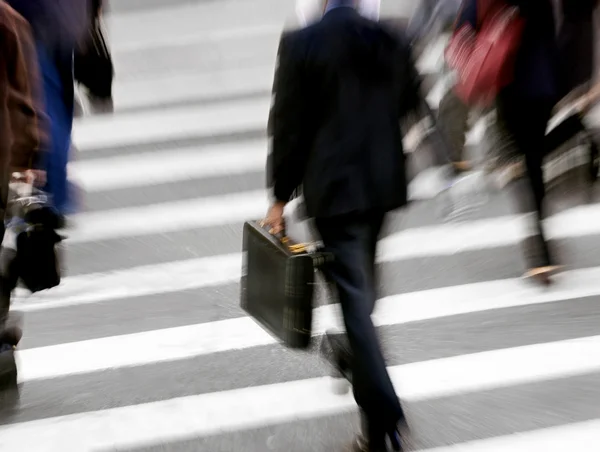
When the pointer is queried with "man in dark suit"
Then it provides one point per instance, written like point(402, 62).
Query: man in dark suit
point(341, 88)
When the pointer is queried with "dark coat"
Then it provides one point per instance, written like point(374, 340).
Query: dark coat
point(58, 26)
point(57, 23)
point(576, 39)
point(341, 87)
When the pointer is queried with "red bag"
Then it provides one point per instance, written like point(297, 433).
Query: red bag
point(484, 59)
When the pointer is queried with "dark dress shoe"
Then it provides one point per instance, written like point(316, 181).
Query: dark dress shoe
point(361, 444)
point(376, 439)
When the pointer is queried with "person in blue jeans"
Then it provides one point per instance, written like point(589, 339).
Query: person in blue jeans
point(58, 26)
point(59, 104)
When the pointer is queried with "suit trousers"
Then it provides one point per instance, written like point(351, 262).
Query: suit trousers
point(352, 239)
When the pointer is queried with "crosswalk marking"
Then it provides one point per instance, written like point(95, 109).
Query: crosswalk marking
point(169, 166)
point(180, 123)
point(180, 418)
point(242, 333)
point(136, 282)
point(210, 271)
point(448, 239)
point(273, 30)
point(238, 207)
point(141, 348)
point(173, 88)
point(263, 405)
point(169, 217)
point(139, 29)
point(121, 172)
point(496, 369)
point(207, 373)
point(580, 437)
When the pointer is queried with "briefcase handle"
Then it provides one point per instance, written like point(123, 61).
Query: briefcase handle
point(294, 248)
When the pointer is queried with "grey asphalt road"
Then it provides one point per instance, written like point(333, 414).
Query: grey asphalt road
point(156, 43)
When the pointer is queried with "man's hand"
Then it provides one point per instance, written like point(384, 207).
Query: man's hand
point(275, 218)
point(31, 177)
point(36, 177)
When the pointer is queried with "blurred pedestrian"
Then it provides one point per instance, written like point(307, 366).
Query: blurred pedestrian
point(341, 87)
point(434, 19)
point(577, 40)
point(524, 109)
point(23, 128)
point(58, 26)
point(21, 141)
point(433, 22)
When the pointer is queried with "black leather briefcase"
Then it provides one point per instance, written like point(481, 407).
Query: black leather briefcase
point(278, 281)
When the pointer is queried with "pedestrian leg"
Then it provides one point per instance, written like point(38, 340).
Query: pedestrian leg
point(350, 241)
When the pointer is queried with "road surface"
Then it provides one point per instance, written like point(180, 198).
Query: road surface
point(144, 347)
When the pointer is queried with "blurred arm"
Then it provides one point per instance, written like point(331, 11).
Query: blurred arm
point(288, 157)
point(24, 96)
point(410, 96)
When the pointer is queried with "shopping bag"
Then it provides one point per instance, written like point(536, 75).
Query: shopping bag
point(93, 65)
point(484, 59)
point(29, 247)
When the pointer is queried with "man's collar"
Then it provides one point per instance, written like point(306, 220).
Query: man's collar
point(333, 4)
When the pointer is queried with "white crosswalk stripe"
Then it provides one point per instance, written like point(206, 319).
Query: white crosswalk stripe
point(182, 123)
point(251, 407)
point(239, 333)
point(143, 346)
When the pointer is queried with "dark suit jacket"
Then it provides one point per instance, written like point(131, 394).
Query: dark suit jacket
point(341, 87)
